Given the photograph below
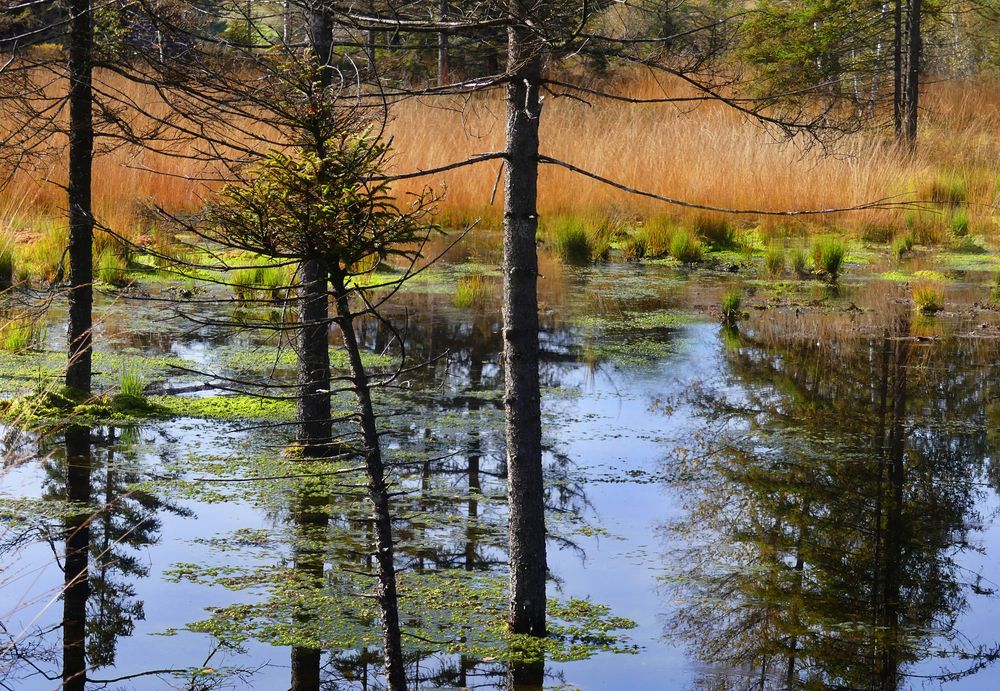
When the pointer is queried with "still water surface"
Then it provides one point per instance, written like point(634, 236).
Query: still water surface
point(806, 502)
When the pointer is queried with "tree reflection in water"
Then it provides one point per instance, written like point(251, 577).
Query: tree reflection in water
point(105, 522)
point(828, 499)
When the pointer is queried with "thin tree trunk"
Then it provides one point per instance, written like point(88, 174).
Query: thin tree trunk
point(444, 59)
point(76, 566)
point(522, 400)
point(314, 424)
point(371, 38)
point(378, 493)
point(286, 22)
point(914, 57)
point(81, 220)
point(321, 40)
point(897, 69)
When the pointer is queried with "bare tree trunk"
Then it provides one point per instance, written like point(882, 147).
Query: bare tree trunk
point(81, 220)
point(371, 37)
point(76, 566)
point(321, 39)
point(314, 425)
point(914, 57)
point(444, 59)
point(286, 22)
point(378, 493)
point(522, 399)
point(315, 430)
point(897, 69)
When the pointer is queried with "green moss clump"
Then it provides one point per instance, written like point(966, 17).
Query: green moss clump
point(226, 407)
point(63, 405)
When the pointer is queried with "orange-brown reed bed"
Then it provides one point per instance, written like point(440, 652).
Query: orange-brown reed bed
point(708, 154)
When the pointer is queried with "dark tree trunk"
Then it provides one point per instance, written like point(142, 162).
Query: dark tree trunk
point(522, 400)
point(81, 220)
point(444, 59)
point(378, 493)
point(914, 57)
point(897, 68)
point(321, 39)
point(76, 589)
point(315, 427)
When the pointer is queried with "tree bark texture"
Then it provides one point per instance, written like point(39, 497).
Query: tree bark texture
point(81, 220)
point(914, 58)
point(522, 400)
point(315, 430)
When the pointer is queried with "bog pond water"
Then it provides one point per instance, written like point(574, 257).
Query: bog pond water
point(807, 499)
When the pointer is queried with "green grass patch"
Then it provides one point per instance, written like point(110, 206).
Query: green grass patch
point(685, 248)
point(928, 298)
point(828, 256)
point(732, 301)
point(470, 291)
point(21, 333)
point(774, 259)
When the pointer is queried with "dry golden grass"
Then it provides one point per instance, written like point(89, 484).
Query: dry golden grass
point(709, 155)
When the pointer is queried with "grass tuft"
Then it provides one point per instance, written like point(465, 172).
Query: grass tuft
point(571, 243)
point(774, 259)
point(732, 301)
point(470, 291)
point(6, 268)
point(799, 265)
point(260, 283)
point(577, 242)
point(928, 298)
point(902, 245)
point(716, 231)
point(21, 333)
point(958, 224)
point(948, 188)
point(656, 233)
point(685, 248)
point(828, 256)
point(112, 269)
point(131, 382)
